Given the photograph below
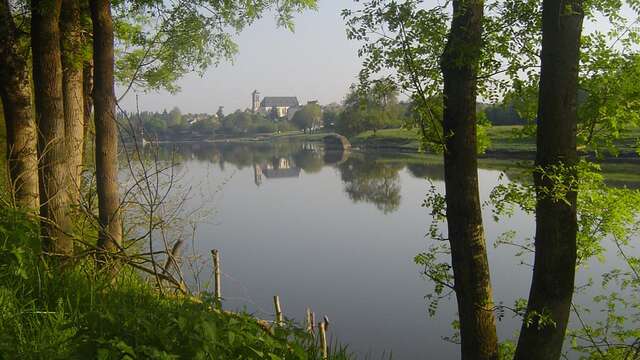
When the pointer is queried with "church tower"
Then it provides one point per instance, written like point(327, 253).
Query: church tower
point(255, 101)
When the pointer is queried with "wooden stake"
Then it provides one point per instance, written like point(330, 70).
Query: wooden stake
point(310, 321)
point(217, 293)
point(276, 304)
point(323, 340)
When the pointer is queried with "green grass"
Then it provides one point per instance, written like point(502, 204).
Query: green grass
point(510, 139)
point(388, 138)
point(503, 139)
point(78, 312)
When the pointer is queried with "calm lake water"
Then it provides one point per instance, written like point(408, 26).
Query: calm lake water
point(337, 233)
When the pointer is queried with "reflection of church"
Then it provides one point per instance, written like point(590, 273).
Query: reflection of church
point(276, 168)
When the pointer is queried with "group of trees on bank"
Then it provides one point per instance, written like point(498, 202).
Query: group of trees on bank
point(65, 57)
point(309, 117)
point(535, 54)
point(248, 123)
point(373, 106)
point(43, 62)
point(169, 125)
point(175, 125)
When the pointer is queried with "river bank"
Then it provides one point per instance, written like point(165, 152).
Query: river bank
point(504, 142)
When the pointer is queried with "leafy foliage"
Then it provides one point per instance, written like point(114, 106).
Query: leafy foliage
point(308, 117)
point(372, 108)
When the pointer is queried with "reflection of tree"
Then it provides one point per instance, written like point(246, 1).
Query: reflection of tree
point(310, 161)
point(434, 171)
point(370, 181)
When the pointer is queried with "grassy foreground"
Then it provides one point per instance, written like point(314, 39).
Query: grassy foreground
point(78, 312)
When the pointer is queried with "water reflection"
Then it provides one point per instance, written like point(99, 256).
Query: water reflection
point(367, 178)
point(370, 177)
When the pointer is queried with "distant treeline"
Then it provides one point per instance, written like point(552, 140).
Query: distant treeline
point(173, 125)
point(502, 114)
point(356, 114)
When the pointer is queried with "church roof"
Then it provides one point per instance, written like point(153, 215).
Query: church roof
point(281, 173)
point(279, 101)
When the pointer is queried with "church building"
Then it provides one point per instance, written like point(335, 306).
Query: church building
point(281, 104)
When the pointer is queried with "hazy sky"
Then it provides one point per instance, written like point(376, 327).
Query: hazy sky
point(316, 62)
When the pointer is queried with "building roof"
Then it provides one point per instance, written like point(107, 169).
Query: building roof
point(279, 101)
point(281, 173)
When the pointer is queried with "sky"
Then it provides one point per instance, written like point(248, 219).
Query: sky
point(316, 62)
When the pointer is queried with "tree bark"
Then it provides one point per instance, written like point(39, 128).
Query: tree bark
point(556, 225)
point(87, 94)
point(104, 100)
point(72, 61)
point(52, 152)
point(15, 92)
point(472, 281)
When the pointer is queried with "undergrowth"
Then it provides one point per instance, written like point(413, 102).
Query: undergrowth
point(74, 311)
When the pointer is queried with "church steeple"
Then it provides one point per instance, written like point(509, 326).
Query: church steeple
point(255, 101)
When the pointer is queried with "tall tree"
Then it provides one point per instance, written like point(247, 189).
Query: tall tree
point(435, 59)
point(106, 151)
point(15, 92)
point(472, 283)
point(549, 305)
point(47, 78)
point(72, 88)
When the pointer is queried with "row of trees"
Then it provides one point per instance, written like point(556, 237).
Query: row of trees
point(175, 125)
point(60, 55)
point(444, 57)
point(172, 124)
point(45, 146)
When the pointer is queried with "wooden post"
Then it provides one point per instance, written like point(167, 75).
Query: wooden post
point(310, 321)
point(217, 293)
point(323, 340)
point(326, 323)
point(276, 304)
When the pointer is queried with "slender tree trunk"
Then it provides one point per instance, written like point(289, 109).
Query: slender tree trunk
point(72, 61)
point(556, 224)
point(464, 217)
point(15, 92)
point(106, 128)
point(47, 77)
point(87, 94)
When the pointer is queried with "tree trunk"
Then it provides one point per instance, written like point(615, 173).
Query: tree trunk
point(87, 95)
point(104, 100)
point(556, 224)
point(72, 89)
point(15, 92)
point(472, 281)
point(47, 78)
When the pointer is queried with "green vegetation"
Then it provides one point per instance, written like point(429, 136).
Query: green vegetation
point(308, 118)
point(81, 312)
point(370, 108)
point(502, 139)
